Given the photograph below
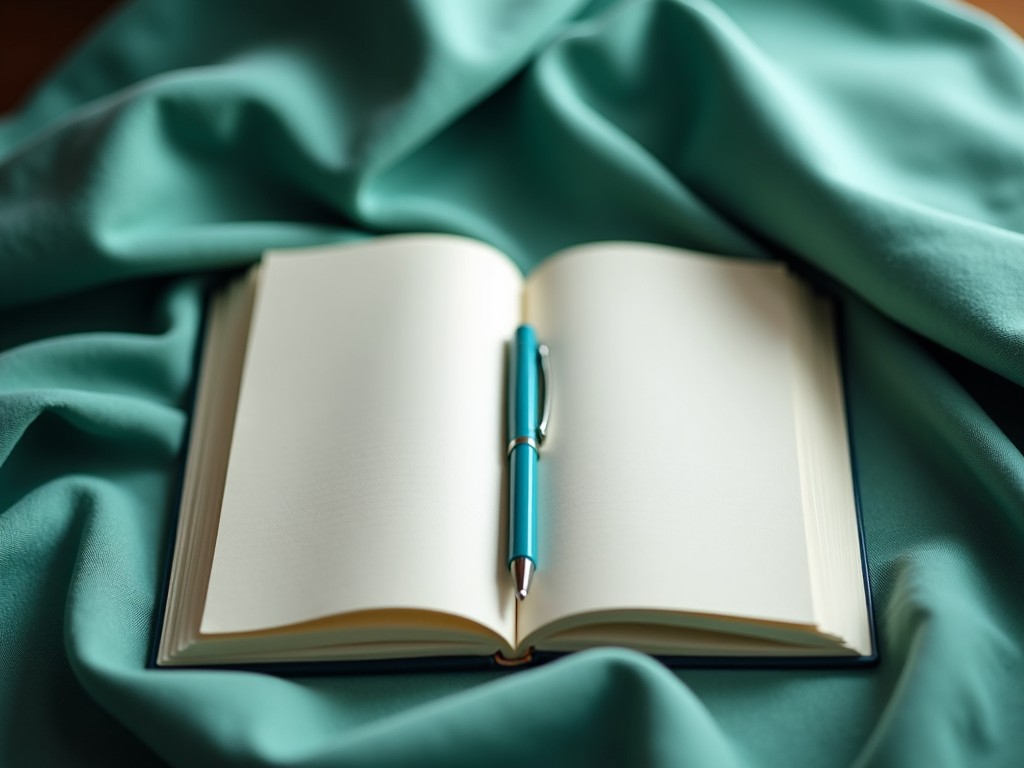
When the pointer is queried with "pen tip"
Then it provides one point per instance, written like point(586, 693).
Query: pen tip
point(522, 572)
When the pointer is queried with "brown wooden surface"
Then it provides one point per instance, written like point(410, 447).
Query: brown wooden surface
point(1011, 12)
point(34, 34)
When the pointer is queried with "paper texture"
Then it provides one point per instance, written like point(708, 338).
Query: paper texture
point(370, 412)
point(670, 478)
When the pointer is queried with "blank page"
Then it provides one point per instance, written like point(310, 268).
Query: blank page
point(670, 480)
point(367, 456)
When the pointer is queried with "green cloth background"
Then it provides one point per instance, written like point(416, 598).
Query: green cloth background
point(881, 141)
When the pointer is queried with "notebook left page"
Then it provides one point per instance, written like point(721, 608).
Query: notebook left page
point(366, 460)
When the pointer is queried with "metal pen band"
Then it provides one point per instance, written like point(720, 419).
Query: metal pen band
point(522, 441)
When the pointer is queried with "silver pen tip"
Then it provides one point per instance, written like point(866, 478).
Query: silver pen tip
point(522, 572)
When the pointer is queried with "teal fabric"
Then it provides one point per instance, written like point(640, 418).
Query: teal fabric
point(878, 141)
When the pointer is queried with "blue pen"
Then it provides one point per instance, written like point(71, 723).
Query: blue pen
point(529, 376)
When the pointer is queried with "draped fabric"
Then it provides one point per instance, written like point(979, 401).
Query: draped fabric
point(878, 142)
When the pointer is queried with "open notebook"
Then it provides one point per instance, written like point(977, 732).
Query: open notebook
point(345, 491)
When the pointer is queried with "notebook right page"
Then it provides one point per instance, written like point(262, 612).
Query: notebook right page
point(670, 480)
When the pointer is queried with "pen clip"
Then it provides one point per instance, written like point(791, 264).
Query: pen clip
point(545, 372)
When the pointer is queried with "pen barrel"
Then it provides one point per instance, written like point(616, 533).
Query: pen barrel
point(523, 405)
point(523, 498)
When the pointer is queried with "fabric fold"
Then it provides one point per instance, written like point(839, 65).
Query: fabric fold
point(876, 143)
